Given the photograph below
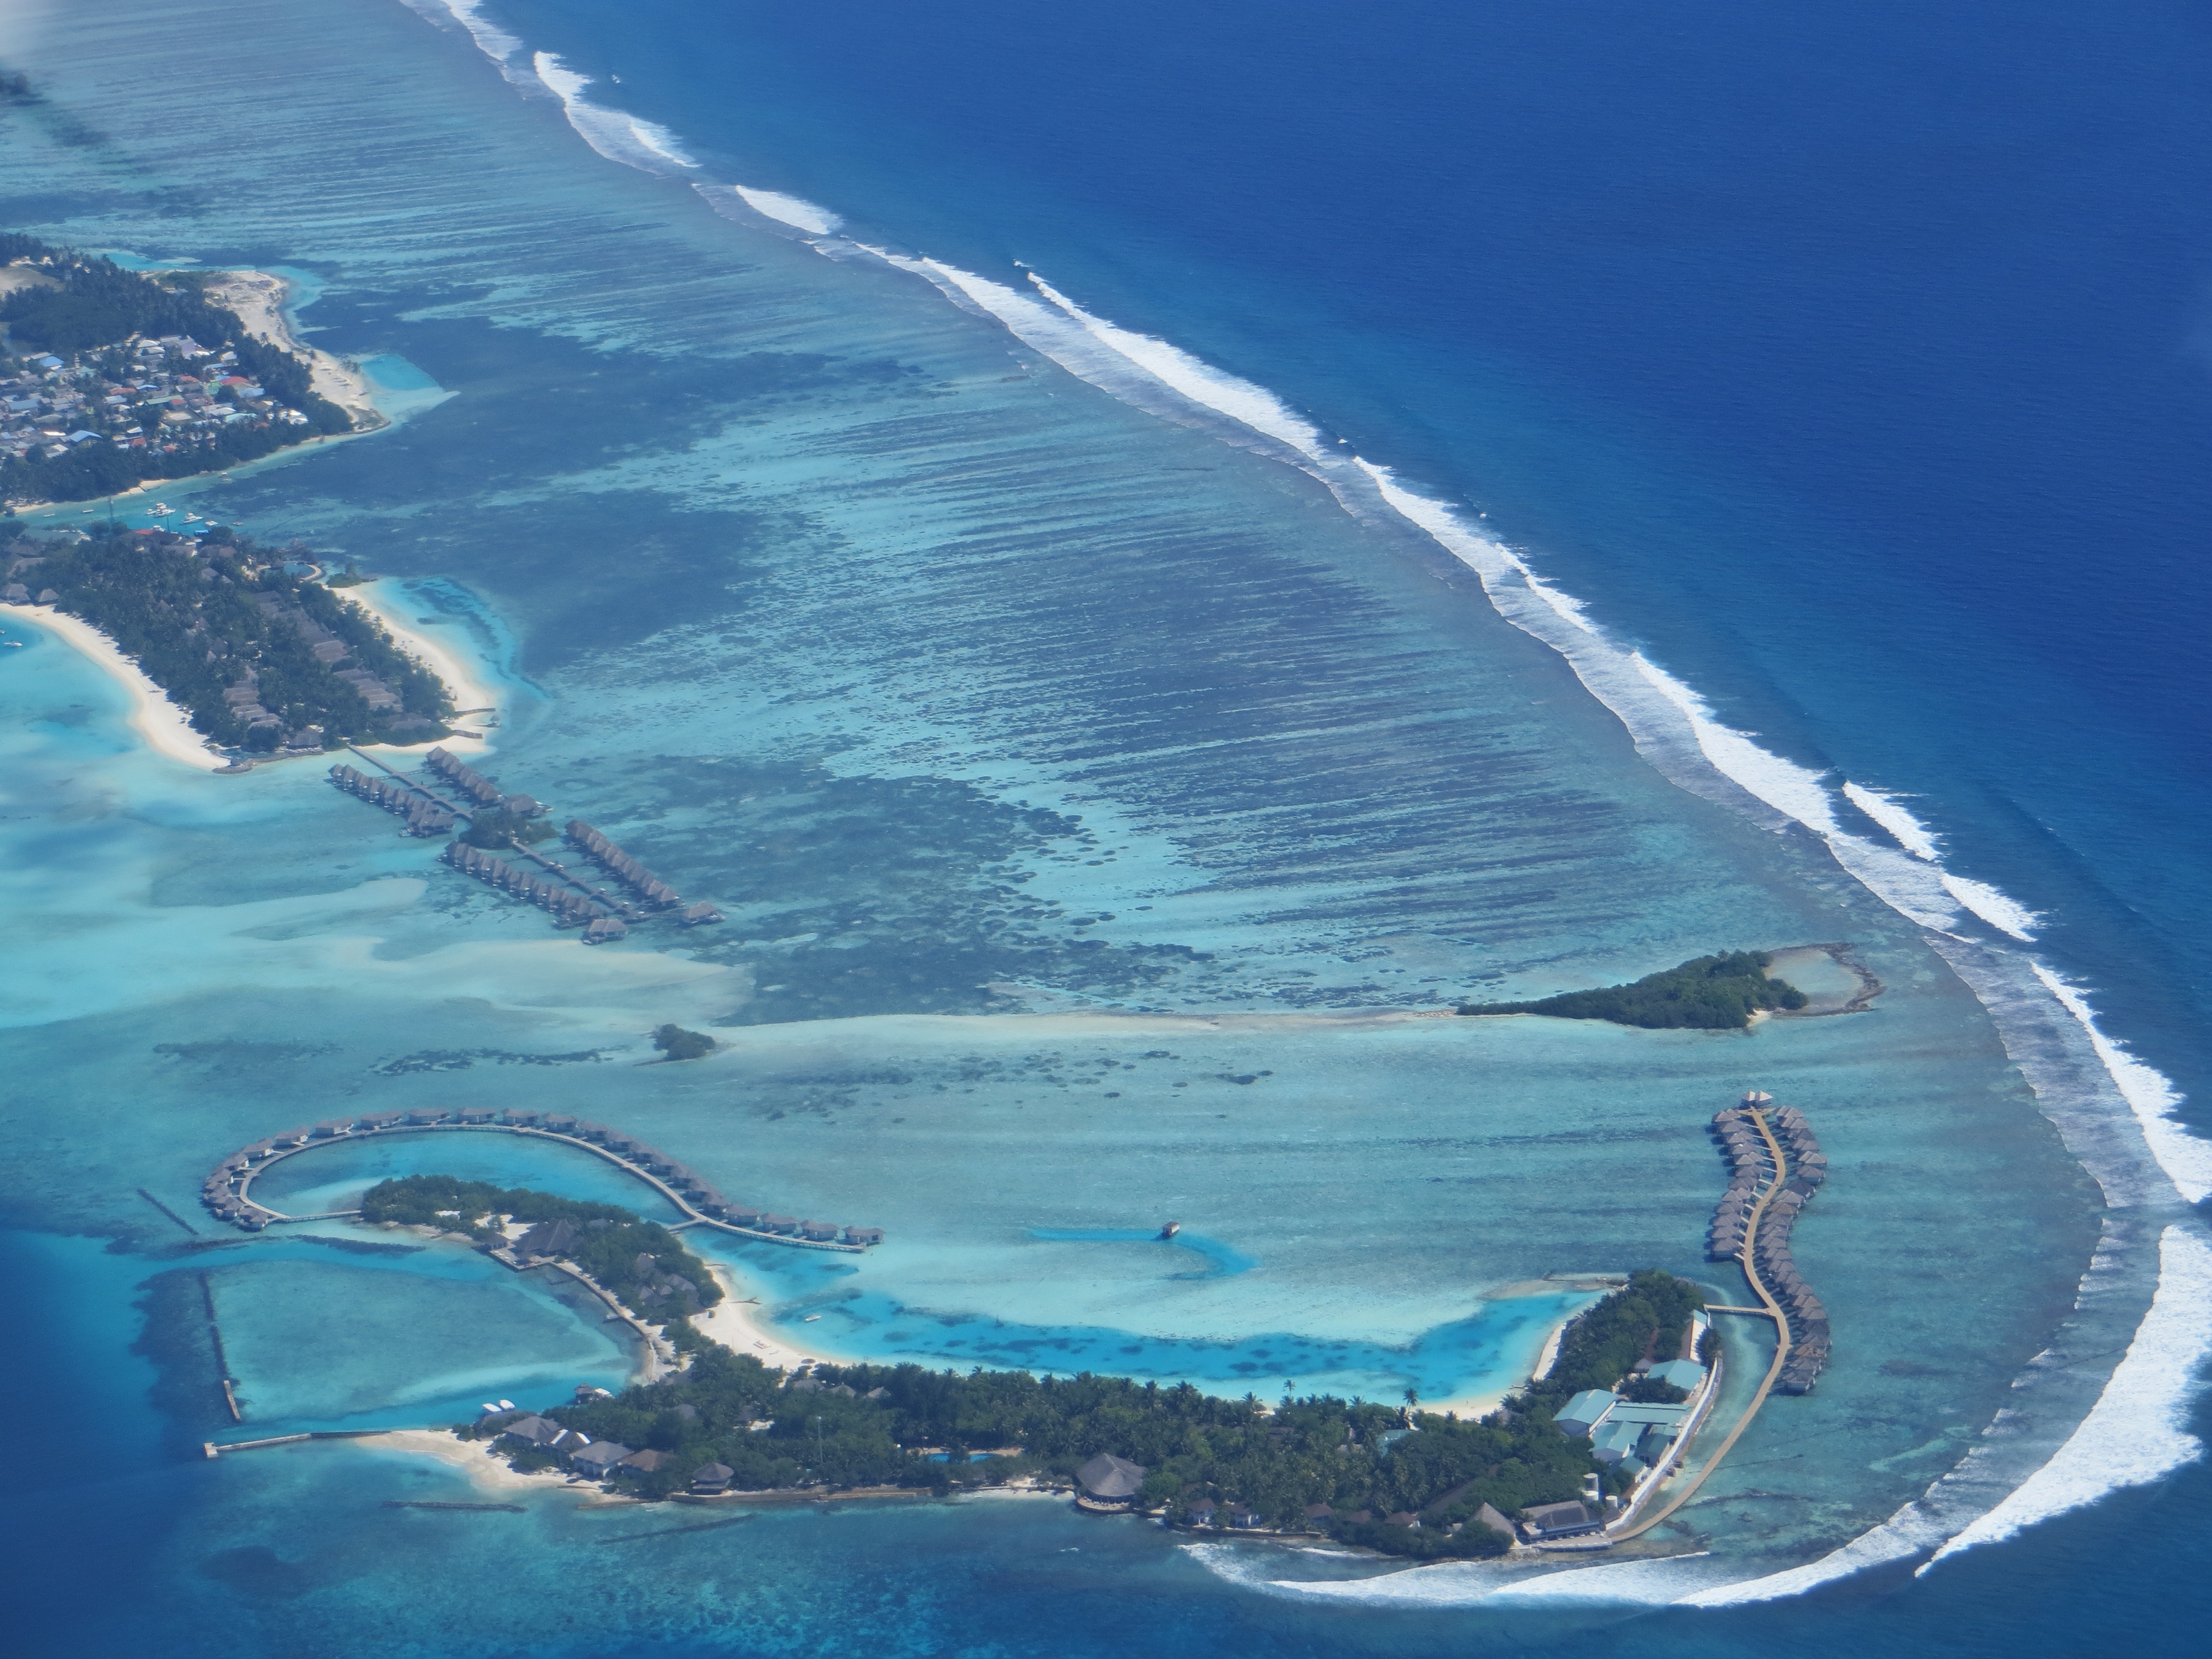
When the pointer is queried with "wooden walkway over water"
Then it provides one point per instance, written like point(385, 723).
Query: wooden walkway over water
point(241, 1183)
point(1631, 1525)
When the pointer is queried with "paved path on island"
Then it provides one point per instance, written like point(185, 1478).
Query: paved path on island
point(1770, 1309)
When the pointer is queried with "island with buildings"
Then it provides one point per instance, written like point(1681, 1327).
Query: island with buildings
point(1594, 1449)
point(112, 378)
point(1393, 1478)
point(258, 654)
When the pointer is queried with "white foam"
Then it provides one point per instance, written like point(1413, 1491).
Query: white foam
point(2138, 1431)
point(793, 210)
point(1677, 731)
point(495, 42)
point(1794, 791)
point(1893, 815)
point(2186, 1157)
point(1904, 1534)
point(2001, 911)
point(1212, 388)
point(629, 139)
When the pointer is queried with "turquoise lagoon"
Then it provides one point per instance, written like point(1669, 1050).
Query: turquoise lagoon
point(1094, 806)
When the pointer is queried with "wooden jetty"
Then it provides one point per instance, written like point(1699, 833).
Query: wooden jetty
point(227, 1190)
point(1777, 1145)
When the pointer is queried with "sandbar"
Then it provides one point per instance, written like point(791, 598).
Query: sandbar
point(153, 715)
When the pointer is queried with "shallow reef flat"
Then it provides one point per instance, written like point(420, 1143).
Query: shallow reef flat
point(1090, 803)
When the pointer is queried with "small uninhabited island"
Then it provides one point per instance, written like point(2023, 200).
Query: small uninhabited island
point(676, 1043)
point(259, 655)
point(1719, 992)
point(1394, 1478)
point(112, 378)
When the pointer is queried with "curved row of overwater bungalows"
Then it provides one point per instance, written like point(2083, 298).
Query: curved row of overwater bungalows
point(224, 1190)
point(1753, 1173)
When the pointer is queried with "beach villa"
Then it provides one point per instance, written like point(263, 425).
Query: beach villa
point(597, 1462)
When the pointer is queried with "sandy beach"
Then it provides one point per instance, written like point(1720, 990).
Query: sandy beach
point(738, 1326)
point(473, 1458)
point(153, 716)
point(258, 298)
point(459, 675)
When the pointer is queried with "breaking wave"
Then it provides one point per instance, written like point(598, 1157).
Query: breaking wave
point(2137, 1431)
point(495, 42)
point(2114, 1111)
point(793, 211)
point(631, 139)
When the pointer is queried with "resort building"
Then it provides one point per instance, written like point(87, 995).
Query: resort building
point(597, 1462)
point(1559, 1521)
point(1109, 1483)
point(712, 1480)
point(1582, 1413)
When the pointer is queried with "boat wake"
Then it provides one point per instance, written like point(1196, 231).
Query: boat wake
point(2115, 1112)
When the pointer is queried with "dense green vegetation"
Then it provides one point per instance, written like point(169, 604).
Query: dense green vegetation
point(641, 1261)
point(1643, 1320)
point(202, 617)
point(862, 1426)
point(88, 316)
point(495, 827)
point(676, 1043)
point(1714, 994)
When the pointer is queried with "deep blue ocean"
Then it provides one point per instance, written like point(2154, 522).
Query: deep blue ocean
point(897, 465)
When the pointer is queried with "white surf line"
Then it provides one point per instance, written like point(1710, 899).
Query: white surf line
point(495, 42)
point(2138, 1430)
point(629, 139)
point(1671, 725)
point(794, 211)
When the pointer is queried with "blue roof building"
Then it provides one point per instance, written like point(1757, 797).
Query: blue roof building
point(1683, 1374)
point(1585, 1411)
point(1614, 1441)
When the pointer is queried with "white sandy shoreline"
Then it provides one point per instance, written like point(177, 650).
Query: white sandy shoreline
point(153, 715)
point(459, 675)
point(258, 297)
point(166, 729)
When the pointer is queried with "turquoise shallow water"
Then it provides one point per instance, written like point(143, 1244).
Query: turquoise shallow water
point(1090, 803)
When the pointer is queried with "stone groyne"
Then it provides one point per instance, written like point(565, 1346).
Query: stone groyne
point(227, 1190)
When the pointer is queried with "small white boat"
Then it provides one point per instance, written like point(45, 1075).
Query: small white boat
point(810, 1319)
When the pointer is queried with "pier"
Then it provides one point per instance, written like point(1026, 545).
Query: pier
point(1773, 1152)
point(227, 1190)
point(461, 794)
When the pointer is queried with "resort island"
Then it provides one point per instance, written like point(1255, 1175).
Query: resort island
point(110, 378)
point(1393, 1478)
point(257, 653)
